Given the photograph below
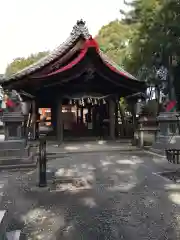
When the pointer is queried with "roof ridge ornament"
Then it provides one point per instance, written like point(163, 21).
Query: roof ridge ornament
point(81, 22)
point(80, 29)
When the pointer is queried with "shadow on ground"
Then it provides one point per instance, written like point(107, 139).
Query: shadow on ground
point(125, 201)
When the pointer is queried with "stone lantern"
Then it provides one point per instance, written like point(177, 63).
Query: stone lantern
point(15, 150)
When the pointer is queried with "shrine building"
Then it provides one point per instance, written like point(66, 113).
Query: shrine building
point(78, 85)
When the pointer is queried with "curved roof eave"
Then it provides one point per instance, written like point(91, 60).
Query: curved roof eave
point(92, 44)
point(106, 59)
point(78, 30)
point(72, 64)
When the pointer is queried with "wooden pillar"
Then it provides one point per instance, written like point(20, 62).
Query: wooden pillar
point(112, 119)
point(53, 117)
point(59, 129)
point(34, 119)
point(89, 114)
point(81, 116)
point(77, 114)
point(116, 119)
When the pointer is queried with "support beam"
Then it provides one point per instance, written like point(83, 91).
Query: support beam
point(59, 129)
point(112, 119)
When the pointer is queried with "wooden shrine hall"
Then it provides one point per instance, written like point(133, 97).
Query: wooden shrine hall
point(78, 84)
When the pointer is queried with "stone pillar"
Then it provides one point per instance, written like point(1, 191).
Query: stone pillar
point(141, 133)
point(112, 119)
point(60, 128)
point(146, 131)
point(26, 124)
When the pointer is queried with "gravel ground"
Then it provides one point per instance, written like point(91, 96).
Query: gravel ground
point(125, 199)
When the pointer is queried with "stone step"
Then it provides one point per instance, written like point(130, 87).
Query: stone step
point(12, 144)
point(27, 166)
point(14, 235)
point(15, 152)
point(15, 159)
point(15, 162)
point(4, 219)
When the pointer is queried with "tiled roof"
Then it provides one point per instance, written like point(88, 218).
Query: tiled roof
point(79, 29)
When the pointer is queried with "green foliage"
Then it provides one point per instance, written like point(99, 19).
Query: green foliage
point(157, 31)
point(21, 63)
point(150, 27)
point(152, 31)
point(113, 40)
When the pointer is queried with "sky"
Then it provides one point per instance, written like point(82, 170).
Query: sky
point(31, 26)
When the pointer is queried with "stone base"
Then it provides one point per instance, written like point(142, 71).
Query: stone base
point(12, 144)
point(17, 161)
point(15, 154)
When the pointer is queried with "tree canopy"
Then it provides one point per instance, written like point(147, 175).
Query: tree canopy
point(157, 32)
point(21, 63)
point(146, 43)
point(113, 40)
point(149, 31)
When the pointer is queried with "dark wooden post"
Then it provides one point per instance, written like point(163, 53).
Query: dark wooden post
point(59, 121)
point(77, 114)
point(81, 114)
point(116, 118)
point(112, 118)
